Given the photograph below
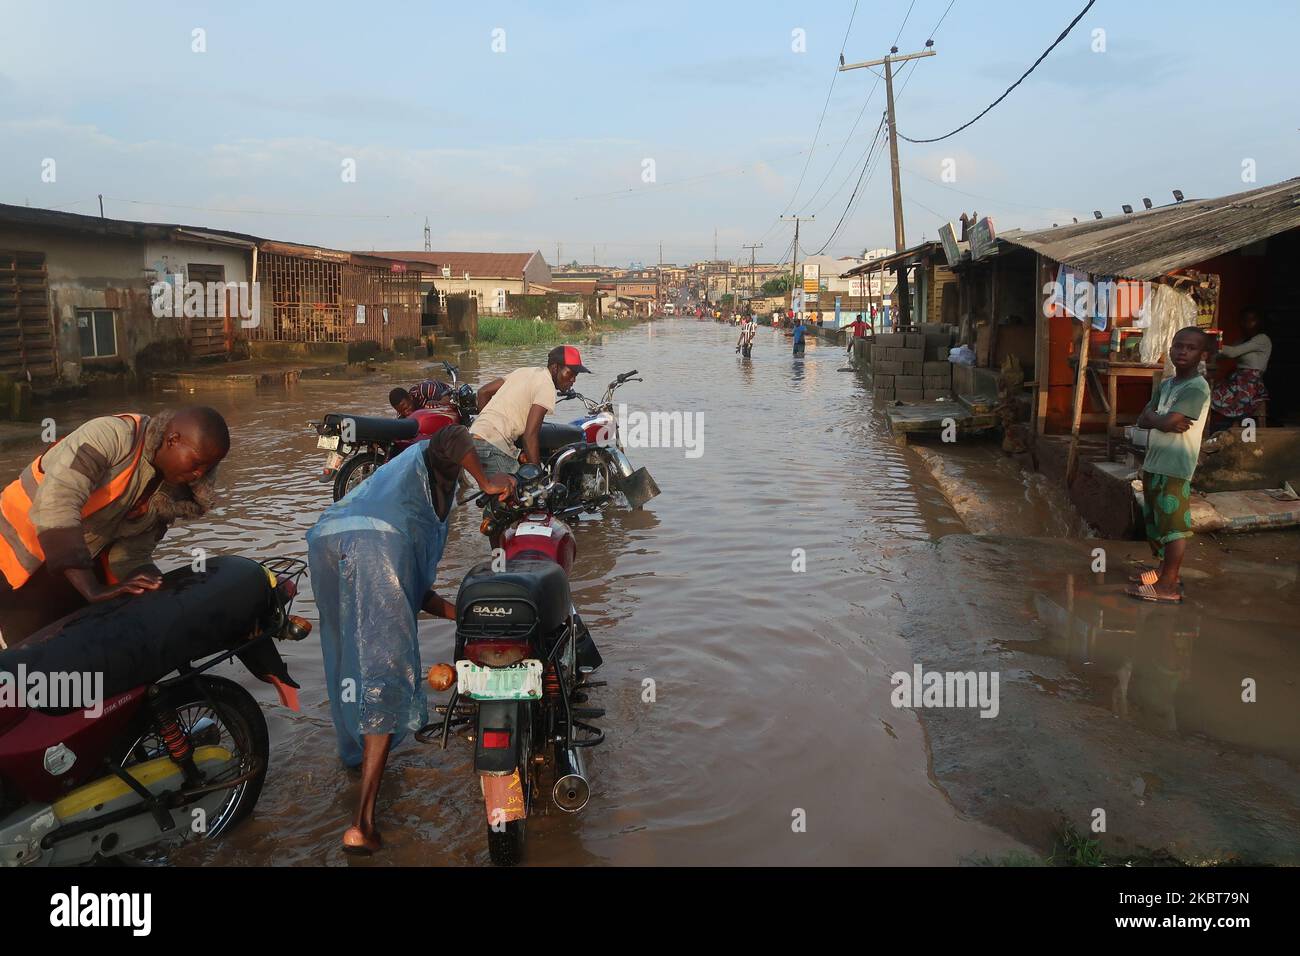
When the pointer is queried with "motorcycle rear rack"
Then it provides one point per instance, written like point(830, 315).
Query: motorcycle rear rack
point(455, 713)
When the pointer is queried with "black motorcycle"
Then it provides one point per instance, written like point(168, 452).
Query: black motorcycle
point(358, 444)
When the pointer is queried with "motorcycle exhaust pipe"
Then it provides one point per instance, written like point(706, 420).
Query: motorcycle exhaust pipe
point(571, 791)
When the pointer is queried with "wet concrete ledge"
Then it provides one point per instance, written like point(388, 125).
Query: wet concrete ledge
point(251, 373)
point(1108, 703)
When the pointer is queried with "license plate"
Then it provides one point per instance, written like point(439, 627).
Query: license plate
point(522, 681)
point(328, 442)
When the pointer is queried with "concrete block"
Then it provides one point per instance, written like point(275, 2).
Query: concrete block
point(913, 368)
point(910, 354)
point(883, 394)
point(915, 340)
point(882, 381)
point(938, 368)
point(938, 381)
point(909, 381)
point(888, 368)
point(931, 394)
point(909, 394)
point(891, 339)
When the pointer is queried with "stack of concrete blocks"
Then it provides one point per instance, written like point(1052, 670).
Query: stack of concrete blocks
point(911, 366)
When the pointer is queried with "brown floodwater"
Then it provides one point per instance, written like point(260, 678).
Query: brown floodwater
point(771, 685)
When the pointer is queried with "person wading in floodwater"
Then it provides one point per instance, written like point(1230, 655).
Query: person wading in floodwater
point(799, 330)
point(745, 344)
point(373, 558)
point(1176, 416)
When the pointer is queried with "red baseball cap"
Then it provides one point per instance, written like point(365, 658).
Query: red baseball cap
point(566, 355)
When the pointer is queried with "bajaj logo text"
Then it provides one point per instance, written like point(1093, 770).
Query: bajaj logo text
point(493, 611)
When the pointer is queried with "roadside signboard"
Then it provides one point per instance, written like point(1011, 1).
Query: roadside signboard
point(983, 239)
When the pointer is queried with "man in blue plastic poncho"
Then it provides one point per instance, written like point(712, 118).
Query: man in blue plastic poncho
point(373, 558)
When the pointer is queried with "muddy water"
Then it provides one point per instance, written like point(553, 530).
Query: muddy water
point(770, 698)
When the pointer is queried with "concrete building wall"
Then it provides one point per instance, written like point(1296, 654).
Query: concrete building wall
point(538, 271)
point(94, 272)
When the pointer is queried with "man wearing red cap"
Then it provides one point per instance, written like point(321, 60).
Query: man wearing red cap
point(515, 406)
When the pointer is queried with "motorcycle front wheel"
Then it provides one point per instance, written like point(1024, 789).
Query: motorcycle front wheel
point(354, 471)
point(210, 711)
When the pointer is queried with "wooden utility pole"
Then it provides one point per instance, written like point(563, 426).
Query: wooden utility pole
point(794, 259)
point(900, 238)
point(751, 265)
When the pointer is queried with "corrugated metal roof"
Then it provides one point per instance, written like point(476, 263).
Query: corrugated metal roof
point(1155, 242)
point(480, 265)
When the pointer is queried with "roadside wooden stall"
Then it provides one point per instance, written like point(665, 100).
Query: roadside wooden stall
point(311, 294)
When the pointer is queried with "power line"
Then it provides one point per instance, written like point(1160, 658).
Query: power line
point(822, 118)
point(865, 154)
point(844, 215)
point(1064, 34)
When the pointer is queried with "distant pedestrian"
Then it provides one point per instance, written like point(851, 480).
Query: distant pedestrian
point(799, 331)
point(1176, 416)
point(857, 329)
point(745, 344)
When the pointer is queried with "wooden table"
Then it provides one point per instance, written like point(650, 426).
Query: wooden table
point(1114, 371)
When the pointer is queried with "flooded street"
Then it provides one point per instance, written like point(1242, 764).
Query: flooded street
point(771, 685)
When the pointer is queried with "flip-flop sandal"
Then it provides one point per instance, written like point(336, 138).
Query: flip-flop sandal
point(1145, 592)
point(1151, 576)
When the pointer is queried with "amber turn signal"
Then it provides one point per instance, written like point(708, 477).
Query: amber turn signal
point(299, 627)
point(441, 676)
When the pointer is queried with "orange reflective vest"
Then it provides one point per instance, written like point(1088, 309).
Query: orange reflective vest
point(21, 553)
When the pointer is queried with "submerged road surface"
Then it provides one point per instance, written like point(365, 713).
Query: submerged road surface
point(749, 618)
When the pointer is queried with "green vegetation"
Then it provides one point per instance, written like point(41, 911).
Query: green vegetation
point(505, 331)
point(778, 286)
point(499, 330)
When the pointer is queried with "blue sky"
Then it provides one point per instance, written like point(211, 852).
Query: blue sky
point(546, 141)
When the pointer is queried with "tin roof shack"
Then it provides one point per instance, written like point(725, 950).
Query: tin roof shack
point(1228, 253)
point(75, 294)
point(325, 301)
point(1249, 241)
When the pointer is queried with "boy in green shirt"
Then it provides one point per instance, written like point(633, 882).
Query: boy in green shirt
point(1176, 416)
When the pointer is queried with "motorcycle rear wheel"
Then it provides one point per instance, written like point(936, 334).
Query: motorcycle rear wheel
point(210, 711)
point(354, 471)
point(506, 846)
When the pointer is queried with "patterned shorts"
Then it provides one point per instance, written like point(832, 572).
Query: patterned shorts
point(1166, 510)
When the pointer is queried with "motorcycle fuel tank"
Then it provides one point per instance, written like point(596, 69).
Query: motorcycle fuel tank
point(543, 534)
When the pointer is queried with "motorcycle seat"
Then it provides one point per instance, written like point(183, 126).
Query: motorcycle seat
point(538, 582)
point(554, 436)
point(135, 640)
point(381, 430)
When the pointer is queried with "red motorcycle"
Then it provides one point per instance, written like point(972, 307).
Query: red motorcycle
point(124, 761)
point(522, 663)
point(358, 444)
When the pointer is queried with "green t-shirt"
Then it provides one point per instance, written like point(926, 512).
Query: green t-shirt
point(1175, 453)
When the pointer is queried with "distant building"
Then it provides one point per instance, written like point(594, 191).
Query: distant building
point(487, 276)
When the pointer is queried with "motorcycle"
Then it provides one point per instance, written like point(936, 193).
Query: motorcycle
point(159, 759)
point(523, 659)
point(587, 458)
point(357, 444)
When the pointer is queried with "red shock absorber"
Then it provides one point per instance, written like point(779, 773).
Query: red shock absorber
point(178, 745)
point(551, 682)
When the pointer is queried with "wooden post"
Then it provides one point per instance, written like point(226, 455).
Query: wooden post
point(1080, 386)
point(1042, 351)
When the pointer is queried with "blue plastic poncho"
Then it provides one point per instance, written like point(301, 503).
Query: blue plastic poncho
point(373, 557)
